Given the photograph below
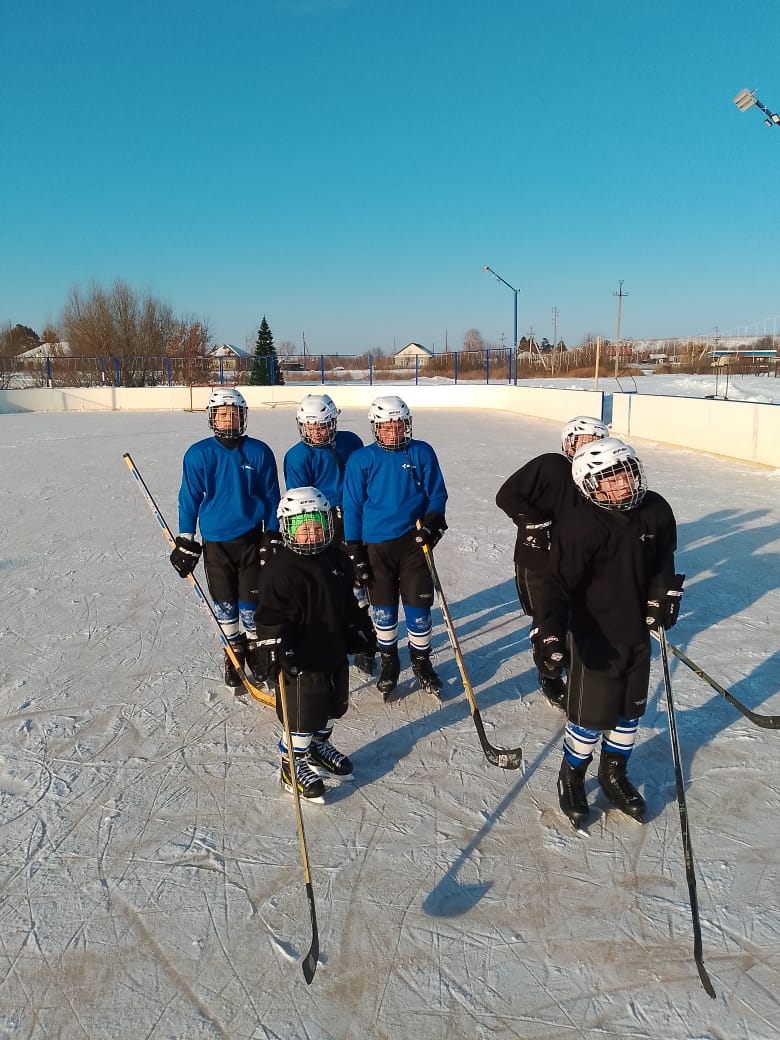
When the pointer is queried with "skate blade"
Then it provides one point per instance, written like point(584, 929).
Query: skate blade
point(319, 800)
point(324, 771)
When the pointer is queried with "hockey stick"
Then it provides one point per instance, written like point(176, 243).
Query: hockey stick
point(255, 691)
point(309, 964)
point(686, 837)
point(506, 758)
point(765, 721)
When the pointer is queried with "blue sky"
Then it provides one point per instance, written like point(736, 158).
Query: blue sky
point(347, 167)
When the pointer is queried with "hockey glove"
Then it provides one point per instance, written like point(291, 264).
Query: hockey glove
point(663, 612)
point(356, 551)
point(280, 652)
point(185, 556)
point(272, 541)
point(549, 652)
point(360, 638)
point(535, 535)
point(431, 530)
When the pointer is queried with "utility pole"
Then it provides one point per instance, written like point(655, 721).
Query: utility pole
point(620, 294)
point(555, 340)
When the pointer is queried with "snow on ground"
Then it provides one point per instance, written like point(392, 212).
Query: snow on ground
point(151, 878)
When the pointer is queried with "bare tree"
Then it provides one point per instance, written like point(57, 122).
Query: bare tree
point(136, 328)
point(473, 340)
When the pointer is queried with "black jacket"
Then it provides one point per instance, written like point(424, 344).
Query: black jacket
point(540, 490)
point(604, 566)
point(309, 601)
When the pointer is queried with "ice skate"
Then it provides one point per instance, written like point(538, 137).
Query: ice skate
point(389, 671)
point(554, 689)
point(571, 793)
point(238, 645)
point(310, 786)
point(323, 755)
point(365, 663)
point(618, 788)
point(424, 672)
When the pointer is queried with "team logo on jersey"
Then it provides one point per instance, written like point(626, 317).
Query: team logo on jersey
point(645, 537)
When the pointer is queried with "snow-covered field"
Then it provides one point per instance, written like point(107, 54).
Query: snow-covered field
point(151, 878)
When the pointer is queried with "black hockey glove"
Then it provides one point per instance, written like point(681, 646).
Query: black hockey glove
point(279, 651)
point(185, 556)
point(431, 529)
point(360, 638)
point(356, 551)
point(271, 541)
point(549, 651)
point(535, 535)
point(663, 612)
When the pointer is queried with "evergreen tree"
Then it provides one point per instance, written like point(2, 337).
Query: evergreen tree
point(265, 365)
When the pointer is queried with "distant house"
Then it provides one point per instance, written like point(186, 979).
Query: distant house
point(230, 356)
point(411, 355)
point(46, 351)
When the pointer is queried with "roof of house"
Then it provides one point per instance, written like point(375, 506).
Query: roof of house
point(46, 350)
point(228, 350)
point(414, 348)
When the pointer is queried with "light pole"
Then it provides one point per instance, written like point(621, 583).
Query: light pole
point(515, 291)
point(620, 294)
point(747, 98)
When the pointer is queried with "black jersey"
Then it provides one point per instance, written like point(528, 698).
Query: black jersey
point(310, 599)
point(604, 566)
point(540, 490)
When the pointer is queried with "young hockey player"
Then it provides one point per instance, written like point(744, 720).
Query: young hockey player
point(388, 486)
point(536, 497)
point(230, 488)
point(308, 620)
point(318, 460)
point(612, 574)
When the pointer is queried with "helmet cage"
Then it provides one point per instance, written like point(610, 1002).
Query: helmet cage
point(389, 412)
point(318, 411)
point(578, 427)
point(227, 398)
point(305, 506)
point(632, 468)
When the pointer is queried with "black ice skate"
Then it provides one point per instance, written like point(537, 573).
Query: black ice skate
point(618, 788)
point(238, 645)
point(365, 663)
point(323, 755)
point(389, 671)
point(571, 793)
point(554, 689)
point(424, 672)
point(310, 786)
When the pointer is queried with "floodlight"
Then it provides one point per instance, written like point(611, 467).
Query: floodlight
point(745, 100)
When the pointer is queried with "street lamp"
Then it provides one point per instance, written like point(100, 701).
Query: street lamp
point(747, 98)
point(515, 291)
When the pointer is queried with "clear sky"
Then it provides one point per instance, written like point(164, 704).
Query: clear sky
point(347, 167)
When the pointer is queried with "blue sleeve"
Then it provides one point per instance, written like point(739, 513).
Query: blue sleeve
point(192, 490)
point(354, 497)
point(271, 494)
point(297, 471)
point(433, 480)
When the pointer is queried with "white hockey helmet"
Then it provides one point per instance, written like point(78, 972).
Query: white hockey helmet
point(226, 396)
point(389, 412)
point(318, 411)
point(576, 430)
point(613, 463)
point(305, 520)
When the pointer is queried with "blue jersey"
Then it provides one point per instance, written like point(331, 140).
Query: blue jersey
point(323, 467)
point(386, 492)
point(229, 491)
